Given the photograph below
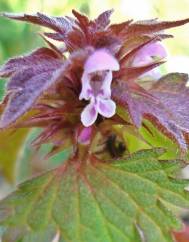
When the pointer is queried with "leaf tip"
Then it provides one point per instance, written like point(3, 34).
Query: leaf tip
point(159, 151)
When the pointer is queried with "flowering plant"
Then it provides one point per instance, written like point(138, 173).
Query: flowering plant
point(103, 82)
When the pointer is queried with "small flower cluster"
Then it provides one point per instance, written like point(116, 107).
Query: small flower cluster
point(82, 85)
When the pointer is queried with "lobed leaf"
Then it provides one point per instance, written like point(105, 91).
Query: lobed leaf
point(59, 24)
point(123, 201)
point(79, 32)
point(153, 26)
point(103, 20)
point(38, 57)
point(132, 73)
point(83, 20)
point(172, 91)
point(167, 107)
point(30, 76)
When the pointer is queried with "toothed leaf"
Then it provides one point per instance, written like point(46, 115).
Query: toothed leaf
point(30, 76)
point(99, 202)
point(103, 20)
point(56, 23)
point(167, 108)
point(153, 26)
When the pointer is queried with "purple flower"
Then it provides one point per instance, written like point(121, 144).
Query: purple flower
point(148, 54)
point(96, 86)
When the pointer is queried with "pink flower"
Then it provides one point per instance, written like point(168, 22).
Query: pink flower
point(96, 86)
point(84, 135)
point(148, 54)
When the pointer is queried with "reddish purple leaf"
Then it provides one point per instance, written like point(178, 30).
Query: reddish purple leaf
point(70, 30)
point(123, 97)
point(153, 26)
point(59, 24)
point(56, 36)
point(118, 28)
point(132, 73)
point(30, 77)
point(37, 57)
point(162, 116)
point(52, 46)
point(169, 108)
point(172, 92)
point(103, 20)
point(83, 20)
point(23, 99)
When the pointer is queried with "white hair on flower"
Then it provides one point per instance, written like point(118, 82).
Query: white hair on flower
point(96, 86)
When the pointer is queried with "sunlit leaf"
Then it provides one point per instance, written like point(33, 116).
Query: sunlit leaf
point(99, 202)
point(156, 138)
point(11, 143)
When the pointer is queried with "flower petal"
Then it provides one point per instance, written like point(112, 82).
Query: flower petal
point(106, 86)
point(106, 108)
point(84, 136)
point(101, 60)
point(149, 53)
point(86, 87)
point(89, 114)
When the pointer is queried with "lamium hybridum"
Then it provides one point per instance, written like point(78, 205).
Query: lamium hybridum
point(89, 94)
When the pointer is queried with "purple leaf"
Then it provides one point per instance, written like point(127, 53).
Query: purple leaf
point(52, 46)
point(22, 100)
point(132, 73)
point(169, 108)
point(153, 26)
point(124, 99)
point(171, 90)
point(162, 117)
point(118, 28)
point(83, 20)
point(37, 57)
point(56, 36)
point(30, 77)
point(59, 24)
point(103, 20)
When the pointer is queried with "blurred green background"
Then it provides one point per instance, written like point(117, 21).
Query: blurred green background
point(17, 38)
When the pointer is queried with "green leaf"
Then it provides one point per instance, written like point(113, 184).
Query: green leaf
point(146, 137)
point(156, 138)
point(94, 201)
point(11, 143)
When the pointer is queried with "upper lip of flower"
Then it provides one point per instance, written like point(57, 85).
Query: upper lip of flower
point(100, 63)
point(101, 60)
